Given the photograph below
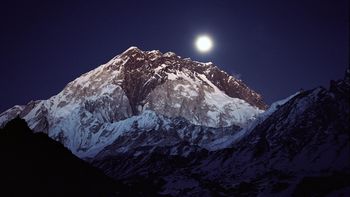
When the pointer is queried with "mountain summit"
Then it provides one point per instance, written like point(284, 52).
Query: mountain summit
point(99, 106)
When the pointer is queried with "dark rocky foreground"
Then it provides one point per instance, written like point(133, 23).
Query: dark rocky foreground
point(35, 165)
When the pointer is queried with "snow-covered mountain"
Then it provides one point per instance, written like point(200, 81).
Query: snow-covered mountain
point(301, 149)
point(177, 127)
point(147, 88)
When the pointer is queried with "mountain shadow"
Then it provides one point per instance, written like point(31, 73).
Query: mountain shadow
point(32, 164)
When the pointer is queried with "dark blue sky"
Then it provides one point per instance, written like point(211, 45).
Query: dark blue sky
point(277, 47)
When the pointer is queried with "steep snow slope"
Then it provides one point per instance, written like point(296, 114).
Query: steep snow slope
point(229, 141)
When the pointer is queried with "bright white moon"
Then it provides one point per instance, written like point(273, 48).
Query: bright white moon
point(204, 44)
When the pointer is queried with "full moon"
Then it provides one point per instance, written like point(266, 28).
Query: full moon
point(204, 43)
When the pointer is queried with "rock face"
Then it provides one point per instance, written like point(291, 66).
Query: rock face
point(301, 149)
point(88, 113)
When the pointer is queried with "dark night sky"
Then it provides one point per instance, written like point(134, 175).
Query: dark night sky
point(277, 47)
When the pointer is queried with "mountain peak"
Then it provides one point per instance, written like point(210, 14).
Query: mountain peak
point(132, 48)
point(86, 111)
